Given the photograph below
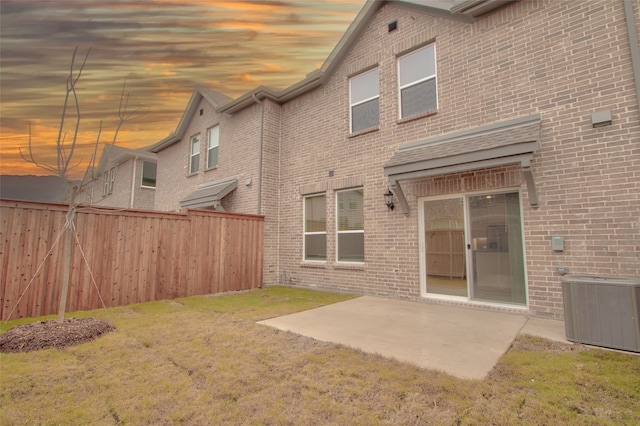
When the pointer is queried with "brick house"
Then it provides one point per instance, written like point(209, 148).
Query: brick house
point(212, 160)
point(462, 152)
point(124, 178)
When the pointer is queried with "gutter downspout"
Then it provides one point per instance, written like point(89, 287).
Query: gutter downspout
point(279, 195)
point(633, 45)
point(261, 103)
point(133, 182)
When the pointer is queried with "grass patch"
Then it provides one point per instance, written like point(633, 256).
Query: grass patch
point(203, 360)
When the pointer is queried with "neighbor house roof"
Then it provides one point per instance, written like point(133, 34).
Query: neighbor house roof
point(113, 155)
point(200, 92)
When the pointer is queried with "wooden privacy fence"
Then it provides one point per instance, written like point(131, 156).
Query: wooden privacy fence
point(134, 256)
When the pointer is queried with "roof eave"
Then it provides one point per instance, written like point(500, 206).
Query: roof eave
point(477, 8)
point(312, 81)
point(200, 92)
point(260, 93)
point(466, 11)
point(164, 143)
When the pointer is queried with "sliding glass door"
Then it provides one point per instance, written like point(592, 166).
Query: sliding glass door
point(496, 248)
point(444, 244)
point(473, 248)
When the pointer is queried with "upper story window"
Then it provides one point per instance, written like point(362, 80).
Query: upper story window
point(105, 184)
point(194, 158)
point(109, 178)
point(417, 78)
point(149, 174)
point(364, 99)
point(315, 227)
point(213, 141)
point(350, 225)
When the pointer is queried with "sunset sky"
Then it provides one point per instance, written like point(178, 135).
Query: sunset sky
point(162, 48)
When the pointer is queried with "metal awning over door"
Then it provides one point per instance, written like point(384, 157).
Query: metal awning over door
point(498, 144)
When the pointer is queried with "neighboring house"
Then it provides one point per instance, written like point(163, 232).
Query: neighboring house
point(124, 178)
point(465, 152)
point(212, 160)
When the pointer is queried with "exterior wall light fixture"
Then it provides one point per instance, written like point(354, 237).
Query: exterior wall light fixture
point(388, 199)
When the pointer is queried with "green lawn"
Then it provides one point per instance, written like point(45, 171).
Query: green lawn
point(203, 361)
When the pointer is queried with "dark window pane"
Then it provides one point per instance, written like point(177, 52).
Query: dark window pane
point(315, 247)
point(212, 159)
point(195, 163)
point(351, 247)
point(419, 98)
point(149, 174)
point(365, 115)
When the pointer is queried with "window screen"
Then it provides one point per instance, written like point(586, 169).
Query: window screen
point(417, 78)
point(194, 161)
point(315, 227)
point(364, 100)
point(350, 225)
point(212, 146)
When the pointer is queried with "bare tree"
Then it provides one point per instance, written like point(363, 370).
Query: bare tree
point(66, 152)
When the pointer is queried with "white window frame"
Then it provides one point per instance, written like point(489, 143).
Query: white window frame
point(339, 232)
point(422, 79)
point(142, 175)
point(105, 184)
point(304, 228)
point(109, 178)
point(210, 144)
point(353, 104)
point(192, 155)
point(112, 179)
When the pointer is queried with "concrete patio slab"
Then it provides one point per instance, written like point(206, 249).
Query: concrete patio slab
point(460, 341)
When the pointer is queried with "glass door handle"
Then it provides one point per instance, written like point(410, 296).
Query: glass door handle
point(468, 246)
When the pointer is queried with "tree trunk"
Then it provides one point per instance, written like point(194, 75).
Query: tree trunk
point(68, 245)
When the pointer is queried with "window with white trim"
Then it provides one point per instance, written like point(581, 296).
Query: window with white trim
point(364, 100)
point(315, 227)
point(350, 225)
point(149, 169)
point(213, 141)
point(109, 178)
point(105, 184)
point(194, 157)
point(417, 78)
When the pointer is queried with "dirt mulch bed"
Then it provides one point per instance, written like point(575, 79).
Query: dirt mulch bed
point(52, 334)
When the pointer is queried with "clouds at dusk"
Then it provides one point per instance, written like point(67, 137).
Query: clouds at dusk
point(162, 48)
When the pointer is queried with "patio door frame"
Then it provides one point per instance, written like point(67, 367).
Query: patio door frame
point(468, 252)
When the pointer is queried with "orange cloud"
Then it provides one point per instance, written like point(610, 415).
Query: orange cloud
point(163, 48)
point(244, 77)
point(164, 69)
point(241, 25)
point(272, 68)
point(247, 6)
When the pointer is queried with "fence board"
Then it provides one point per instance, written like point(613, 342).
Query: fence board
point(134, 256)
